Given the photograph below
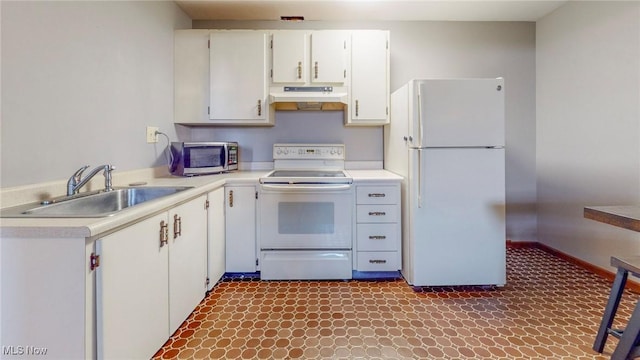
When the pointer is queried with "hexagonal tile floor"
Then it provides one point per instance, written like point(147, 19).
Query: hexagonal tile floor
point(550, 309)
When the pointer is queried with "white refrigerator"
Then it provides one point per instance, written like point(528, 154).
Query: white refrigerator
point(446, 138)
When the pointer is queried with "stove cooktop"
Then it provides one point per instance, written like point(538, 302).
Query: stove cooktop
point(308, 173)
point(313, 176)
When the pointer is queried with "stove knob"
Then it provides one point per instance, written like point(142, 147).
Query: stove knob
point(278, 151)
point(339, 151)
point(333, 151)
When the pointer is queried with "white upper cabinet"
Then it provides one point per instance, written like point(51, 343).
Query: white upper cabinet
point(191, 76)
point(238, 78)
point(290, 51)
point(329, 56)
point(223, 77)
point(369, 103)
point(310, 57)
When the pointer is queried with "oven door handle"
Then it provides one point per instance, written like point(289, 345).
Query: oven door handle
point(306, 188)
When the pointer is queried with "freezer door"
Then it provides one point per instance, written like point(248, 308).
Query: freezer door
point(457, 221)
point(458, 113)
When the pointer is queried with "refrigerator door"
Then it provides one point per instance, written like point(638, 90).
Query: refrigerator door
point(457, 217)
point(458, 113)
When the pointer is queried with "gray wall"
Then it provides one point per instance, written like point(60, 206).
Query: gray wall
point(588, 125)
point(424, 50)
point(81, 80)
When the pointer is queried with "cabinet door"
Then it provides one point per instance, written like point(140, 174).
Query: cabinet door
point(240, 218)
point(369, 78)
point(132, 295)
point(238, 69)
point(191, 76)
point(329, 56)
point(215, 245)
point(290, 56)
point(187, 259)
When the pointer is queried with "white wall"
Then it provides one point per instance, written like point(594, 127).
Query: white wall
point(588, 125)
point(425, 49)
point(81, 80)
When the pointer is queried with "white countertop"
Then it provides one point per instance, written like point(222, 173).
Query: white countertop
point(93, 227)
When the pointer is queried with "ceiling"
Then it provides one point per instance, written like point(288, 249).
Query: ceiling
point(370, 10)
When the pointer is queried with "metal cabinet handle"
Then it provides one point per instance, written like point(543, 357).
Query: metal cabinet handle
point(377, 237)
point(177, 226)
point(315, 70)
point(299, 69)
point(357, 107)
point(375, 261)
point(230, 198)
point(377, 213)
point(164, 233)
point(259, 107)
point(377, 195)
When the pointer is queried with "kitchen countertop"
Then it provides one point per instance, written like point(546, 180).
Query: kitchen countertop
point(94, 227)
point(626, 217)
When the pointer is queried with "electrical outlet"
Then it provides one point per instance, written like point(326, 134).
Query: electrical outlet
point(152, 137)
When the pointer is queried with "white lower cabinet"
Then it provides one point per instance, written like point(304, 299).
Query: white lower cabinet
point(151, 276)
point(240, 219)
point(215, 238)
point(187, 259)
point(132, 294)
point(378, 227)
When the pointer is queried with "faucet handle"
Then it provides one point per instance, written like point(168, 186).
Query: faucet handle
point(78, 174)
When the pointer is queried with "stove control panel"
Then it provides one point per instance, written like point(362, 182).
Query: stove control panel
point(308, 151)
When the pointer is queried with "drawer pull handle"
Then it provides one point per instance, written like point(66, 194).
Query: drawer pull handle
point(377, 195)
point(377, 213)
point(377, 237)
point(374, 261)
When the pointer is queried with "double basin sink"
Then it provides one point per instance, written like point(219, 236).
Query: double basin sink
point(93, 204)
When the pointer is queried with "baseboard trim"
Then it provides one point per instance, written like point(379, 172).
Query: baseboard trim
point(631, 284)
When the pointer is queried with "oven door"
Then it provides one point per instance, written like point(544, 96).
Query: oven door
point(306, 216)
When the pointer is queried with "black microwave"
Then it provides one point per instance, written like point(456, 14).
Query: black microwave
point(200, 158)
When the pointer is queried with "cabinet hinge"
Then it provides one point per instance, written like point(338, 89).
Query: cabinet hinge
point(208, 110)
point(257, 261)
point(387, 110)
point(345, 73)
point(345, 44)
point(271, 73)
point(206, 204)
point(256, 195)
point(271, 44)
point(94, 262)
point(209, 44)
point(387, 44)
point(206, 283)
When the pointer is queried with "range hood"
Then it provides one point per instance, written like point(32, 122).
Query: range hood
point(308, 98)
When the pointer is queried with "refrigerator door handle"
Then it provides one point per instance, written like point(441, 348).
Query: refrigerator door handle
point(419, 178)
point(420, 137)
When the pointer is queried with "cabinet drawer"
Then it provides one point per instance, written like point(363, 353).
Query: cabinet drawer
point(377, 194)
point(377, 213)
point(378, 261)
point(377, 237)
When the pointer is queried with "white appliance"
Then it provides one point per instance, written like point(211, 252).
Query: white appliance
point(305, 214)
point(446, 138)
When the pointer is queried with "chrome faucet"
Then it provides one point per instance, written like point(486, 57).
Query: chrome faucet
point(76, 181)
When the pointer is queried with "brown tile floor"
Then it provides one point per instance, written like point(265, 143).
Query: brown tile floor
point(550, 309)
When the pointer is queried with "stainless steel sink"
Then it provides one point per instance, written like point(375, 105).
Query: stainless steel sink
point(99, 204)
